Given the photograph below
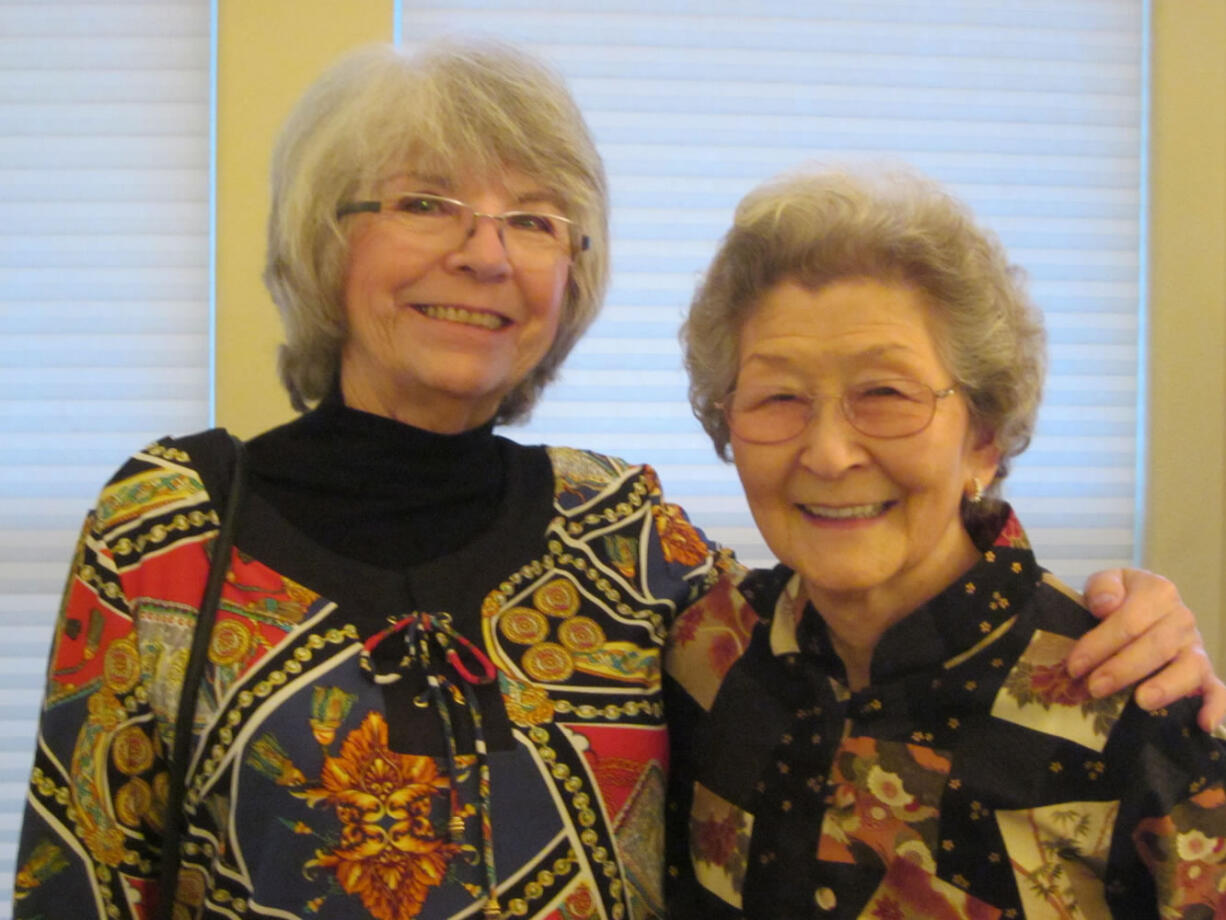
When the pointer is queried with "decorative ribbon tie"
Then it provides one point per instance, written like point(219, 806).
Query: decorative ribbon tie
point(429, 640)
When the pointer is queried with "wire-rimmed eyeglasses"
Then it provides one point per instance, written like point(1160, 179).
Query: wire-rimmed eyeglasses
point(891, 408)
point(530, 237)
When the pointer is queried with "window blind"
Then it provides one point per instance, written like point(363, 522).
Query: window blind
point(1030, 111)
point(104, 297)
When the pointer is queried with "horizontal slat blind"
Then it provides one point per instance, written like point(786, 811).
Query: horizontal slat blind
point(104, 315)
point(1030, 111)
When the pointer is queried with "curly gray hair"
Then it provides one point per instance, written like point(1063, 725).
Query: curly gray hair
point(818, 226)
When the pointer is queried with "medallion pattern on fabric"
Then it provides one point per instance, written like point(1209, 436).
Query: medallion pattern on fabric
point(303, 801)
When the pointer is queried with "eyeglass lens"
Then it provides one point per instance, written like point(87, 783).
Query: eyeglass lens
point(879, 408)
point(528, 236)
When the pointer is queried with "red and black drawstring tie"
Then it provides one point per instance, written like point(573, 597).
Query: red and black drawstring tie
point(430, 640)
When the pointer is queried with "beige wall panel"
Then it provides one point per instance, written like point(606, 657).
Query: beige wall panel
point(1186, 522)
point(268, 51)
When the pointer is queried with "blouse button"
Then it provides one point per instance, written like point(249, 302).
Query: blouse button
point(825, 899)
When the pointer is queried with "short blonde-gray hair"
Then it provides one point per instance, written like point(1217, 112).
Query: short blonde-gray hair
point(482, 107)
point(817, 226)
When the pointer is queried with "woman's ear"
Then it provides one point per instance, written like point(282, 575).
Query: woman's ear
point(983, 459)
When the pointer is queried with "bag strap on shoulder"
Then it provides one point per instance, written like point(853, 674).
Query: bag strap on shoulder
point(185, 715)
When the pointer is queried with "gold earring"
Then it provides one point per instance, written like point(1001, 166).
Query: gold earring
point(976, 495)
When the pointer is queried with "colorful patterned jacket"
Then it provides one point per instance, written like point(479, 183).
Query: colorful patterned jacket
point(331, 777)
point(972, 778)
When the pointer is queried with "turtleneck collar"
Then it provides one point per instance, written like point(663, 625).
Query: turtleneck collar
point(376, 489)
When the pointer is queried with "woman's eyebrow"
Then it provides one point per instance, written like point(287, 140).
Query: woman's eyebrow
point(540, 196)
point(870, 352)
point(432, 180)
point(880, 351)
point(770, 360)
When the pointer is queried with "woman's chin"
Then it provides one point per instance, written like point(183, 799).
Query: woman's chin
point(833, 573)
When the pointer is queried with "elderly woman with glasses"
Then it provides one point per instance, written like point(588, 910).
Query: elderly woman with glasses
point(883, 725)
point(433, 684)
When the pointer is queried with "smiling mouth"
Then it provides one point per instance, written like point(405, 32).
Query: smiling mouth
point(846, 512)
point(462, 315)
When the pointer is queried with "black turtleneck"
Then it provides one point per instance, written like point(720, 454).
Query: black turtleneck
point(377, 490)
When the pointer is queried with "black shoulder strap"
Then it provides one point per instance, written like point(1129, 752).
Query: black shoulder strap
point(185, 714)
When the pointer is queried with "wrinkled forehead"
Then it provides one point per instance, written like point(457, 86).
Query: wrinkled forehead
point(861, 319)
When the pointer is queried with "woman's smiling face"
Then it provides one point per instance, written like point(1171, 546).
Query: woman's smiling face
point(438, 337)
point(858, 516)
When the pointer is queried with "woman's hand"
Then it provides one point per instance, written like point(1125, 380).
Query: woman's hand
point(1146, 626)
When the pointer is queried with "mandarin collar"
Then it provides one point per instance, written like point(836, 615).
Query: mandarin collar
point(974, 607)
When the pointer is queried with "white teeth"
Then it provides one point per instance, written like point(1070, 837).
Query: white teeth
point(462, 315)
point(845, 512)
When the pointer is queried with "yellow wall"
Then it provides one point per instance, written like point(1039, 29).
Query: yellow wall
point(1186, 531)
point(268, 51)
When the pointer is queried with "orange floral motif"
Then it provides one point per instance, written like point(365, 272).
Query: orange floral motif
point(652, 480)
point(883, 799)
point(1040, 694)
point(724, 651)
point(717, 841)
point(909, 891)
point(678, 538)
point(1052, 684)
point(389, 854)
point(723, 620)
point(1186, 851)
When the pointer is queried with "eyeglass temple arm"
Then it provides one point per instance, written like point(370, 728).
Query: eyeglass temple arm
point(359, 207)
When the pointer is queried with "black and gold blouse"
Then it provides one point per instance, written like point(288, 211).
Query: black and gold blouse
point(972, 777)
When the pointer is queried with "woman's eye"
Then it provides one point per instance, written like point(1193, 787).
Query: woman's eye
point(533, 223)
point(425, 205)
point(769, 399)
point(882, 390)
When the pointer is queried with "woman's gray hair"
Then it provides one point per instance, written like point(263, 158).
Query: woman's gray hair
point(455, 106)
point(818, 226)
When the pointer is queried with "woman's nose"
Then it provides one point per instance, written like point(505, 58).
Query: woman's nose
point(830, 445)
point(482, 253)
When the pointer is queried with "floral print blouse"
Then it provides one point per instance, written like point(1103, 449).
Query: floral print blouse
point(971, 778)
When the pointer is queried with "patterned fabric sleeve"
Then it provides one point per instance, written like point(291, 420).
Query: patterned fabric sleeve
point(1184, 847)
point(684, 545)
point(687, 554)
point(94, 809)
